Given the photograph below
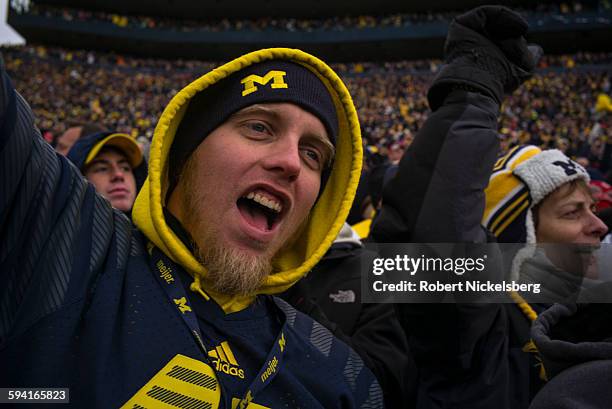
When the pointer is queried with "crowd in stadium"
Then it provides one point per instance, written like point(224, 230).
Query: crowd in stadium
point(543, 11)
point(554, 109)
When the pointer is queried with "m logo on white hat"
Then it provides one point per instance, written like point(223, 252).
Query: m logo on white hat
point(569, 166)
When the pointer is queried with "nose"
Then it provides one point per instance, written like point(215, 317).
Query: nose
point(596, 226)
point(118, 174)
point(284, 159)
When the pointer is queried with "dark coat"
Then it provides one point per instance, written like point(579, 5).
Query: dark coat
point(468, 355)
point(575, 342)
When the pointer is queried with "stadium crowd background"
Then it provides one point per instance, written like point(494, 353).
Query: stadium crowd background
point(555, 108)
point(563, 106)
point(337, 23)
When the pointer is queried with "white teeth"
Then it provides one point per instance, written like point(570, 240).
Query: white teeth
point(264, 201)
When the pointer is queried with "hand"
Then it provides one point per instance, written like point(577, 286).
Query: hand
point(486, 52)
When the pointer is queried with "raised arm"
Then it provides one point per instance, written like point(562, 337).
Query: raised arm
point(44, 202)
point(462, 350)
point(438, 192)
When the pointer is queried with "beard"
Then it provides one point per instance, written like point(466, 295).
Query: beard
point(231, 271)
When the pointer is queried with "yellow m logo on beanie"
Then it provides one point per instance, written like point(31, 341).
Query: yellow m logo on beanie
point(277, 77)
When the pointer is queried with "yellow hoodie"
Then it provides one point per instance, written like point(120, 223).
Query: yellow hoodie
point(326, 217)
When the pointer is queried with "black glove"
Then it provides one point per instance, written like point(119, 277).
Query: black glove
point(486, 52)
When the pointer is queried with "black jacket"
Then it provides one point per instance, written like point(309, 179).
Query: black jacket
point(468, 355)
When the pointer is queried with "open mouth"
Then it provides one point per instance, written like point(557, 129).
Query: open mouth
point(261, 209)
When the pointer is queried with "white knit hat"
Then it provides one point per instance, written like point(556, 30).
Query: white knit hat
point(548, 170)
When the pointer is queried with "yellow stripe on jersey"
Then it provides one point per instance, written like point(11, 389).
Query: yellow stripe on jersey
point(228, 352)
point(221, 354)
point(183, 379)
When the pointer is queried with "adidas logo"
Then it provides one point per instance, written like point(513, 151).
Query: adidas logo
point(225, 361)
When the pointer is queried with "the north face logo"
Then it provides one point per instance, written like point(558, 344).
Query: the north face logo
point(343, 296)
point(225, 361)
point(569, 167)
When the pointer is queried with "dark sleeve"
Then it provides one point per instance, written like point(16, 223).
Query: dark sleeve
point(461, 350)
point(437, 195)
point(44, 202)
point(380, 340)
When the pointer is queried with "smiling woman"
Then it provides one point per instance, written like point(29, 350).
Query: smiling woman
point(561, 220)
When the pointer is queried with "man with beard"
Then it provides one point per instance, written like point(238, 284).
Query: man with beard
point(253, 167)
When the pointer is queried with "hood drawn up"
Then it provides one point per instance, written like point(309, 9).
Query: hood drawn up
point(326, 217)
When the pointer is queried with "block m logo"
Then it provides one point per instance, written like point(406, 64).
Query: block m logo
point(277, 78)
point(569, 167)
point(181, 303)
point(282, 342)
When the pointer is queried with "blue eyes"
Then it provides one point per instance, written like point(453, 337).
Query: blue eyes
point(257, 127)
point(312, 154)
point(260, 131)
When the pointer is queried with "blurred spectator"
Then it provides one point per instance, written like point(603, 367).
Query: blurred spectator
point(144, 144)
point(68, 138)
point(602, 193)
point(594, 173)
point(113, 163)
point(396, 151)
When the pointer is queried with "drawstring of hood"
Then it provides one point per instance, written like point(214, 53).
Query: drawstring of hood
point(530, 347)
point(196, 287)
point(524, 306)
